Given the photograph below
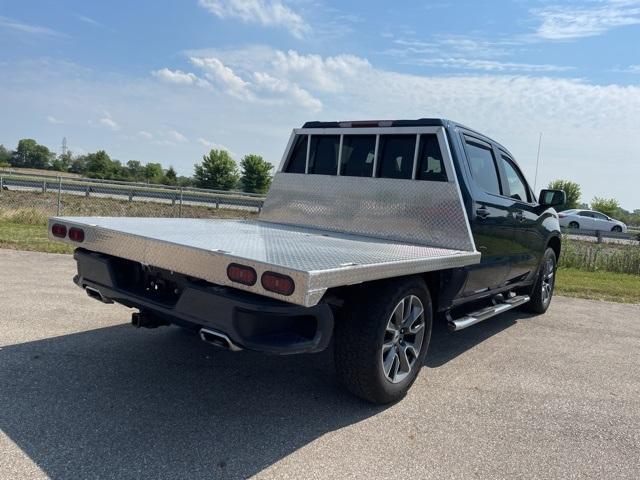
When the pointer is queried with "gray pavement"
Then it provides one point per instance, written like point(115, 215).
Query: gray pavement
point(84, 395)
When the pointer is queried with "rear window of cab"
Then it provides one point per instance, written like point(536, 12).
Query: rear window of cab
point(382, 156)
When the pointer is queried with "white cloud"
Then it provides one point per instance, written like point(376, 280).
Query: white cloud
point(109, 122)
point(455, 45)
point(586, 19)
point(209, 144)
point(16, 26)
point(628, 69)
point(145, 135)
point(222, 75)
point(461, 52)
point(272, 76)
point(299, 95)
point(179, 78)
point(489, 65)
point(271, 13)
point(176, 136)
point(53, 120)
point(88, 20)
point(327, 74)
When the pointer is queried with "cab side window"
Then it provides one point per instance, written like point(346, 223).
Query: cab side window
point(430, 164)
point(483, 166)
point(517, 186)
point(357, 155)
point(298, 158)
point(395, 156)
point(323, 155)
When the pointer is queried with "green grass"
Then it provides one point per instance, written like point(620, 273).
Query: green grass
point(609, 286)
point(24, 236)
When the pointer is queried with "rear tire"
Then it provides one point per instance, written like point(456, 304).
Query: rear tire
point(575, 225)
point(382, 337)
point(542, 291)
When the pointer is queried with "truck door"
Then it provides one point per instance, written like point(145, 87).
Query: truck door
point(489, 219)
point(528, 236)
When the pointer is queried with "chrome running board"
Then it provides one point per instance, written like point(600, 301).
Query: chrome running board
point(501, 305)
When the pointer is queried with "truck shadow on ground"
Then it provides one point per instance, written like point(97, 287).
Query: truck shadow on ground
point(122, 403)
point(446, 346)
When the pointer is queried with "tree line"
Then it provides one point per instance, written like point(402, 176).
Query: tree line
point(216, 171)
point(219, 171)
point(608, 206)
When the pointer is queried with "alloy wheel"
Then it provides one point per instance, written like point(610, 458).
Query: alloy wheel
point(403, 339)
point(548, 280)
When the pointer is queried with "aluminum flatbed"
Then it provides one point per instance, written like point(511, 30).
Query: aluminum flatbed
point(316, 259)
point(321, 230)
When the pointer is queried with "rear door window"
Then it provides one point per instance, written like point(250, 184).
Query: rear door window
point(323, 155)
point(298, 157)
point(357, 155)
point(395, 156)
point(430, 163)
point(483, 166)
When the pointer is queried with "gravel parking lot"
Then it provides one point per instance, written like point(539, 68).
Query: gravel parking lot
point(84, 395)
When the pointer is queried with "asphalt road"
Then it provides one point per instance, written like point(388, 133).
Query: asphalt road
point(84, 395)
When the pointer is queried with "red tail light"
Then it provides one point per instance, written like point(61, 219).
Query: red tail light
point(59, 230)
point(242, 274)
point(278, 283)
point(76, 234)
point(561, 215)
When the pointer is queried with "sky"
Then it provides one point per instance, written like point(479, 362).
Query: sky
point(162, 81)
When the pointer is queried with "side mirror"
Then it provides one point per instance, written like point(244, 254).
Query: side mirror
point(552, 198)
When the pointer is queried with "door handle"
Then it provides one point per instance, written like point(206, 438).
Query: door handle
point(482, 212)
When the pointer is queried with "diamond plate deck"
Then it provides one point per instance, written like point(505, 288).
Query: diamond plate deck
point(316, 259)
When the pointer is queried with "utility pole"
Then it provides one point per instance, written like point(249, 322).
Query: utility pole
point(64, 146)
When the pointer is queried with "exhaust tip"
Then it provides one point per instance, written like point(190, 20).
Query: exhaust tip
point(218, 339)
point(97, 295)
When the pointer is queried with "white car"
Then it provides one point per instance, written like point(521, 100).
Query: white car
point(590, 220)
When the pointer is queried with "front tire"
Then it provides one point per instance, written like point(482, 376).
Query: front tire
point(542, 292)
point(382, 337)
point(617, 229)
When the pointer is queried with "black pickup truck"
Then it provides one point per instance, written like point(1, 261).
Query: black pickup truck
point(370, 231)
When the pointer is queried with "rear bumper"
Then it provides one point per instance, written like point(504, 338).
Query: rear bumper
point(250, 321)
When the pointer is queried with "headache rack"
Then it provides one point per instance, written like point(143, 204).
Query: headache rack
point(321, 231)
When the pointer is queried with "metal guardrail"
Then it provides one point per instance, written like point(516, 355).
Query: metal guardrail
point(600, 234)
point(177, 197)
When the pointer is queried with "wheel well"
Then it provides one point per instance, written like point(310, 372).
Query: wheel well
point(338, 296)
point(554, 243)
